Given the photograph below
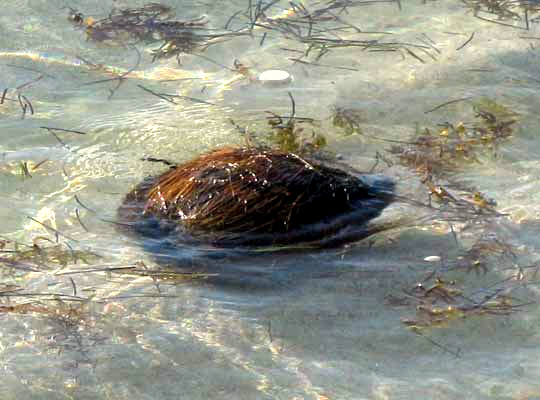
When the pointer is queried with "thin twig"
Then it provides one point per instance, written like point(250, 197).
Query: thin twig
point(23, 105)
point(120, 78)
point(29, 69)
point(159, 160)
point(411, 53)
point(56, 231)
point(321, 65)
point(50, 128)
point(466, 42)
point(80, 221)
point(27, 102)
point(157, 94)
point(73, 286)
point(168, 97)
point(455, 353)
point(446, 104)
point(83, 205)
point(293, 106)
point(84, 271)
point(29, 83)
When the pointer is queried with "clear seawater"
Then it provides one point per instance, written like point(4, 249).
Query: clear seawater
point(295, 325)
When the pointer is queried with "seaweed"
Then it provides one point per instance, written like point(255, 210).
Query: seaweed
point(465, 43)
point(38, 256)
point(23, 101)
point(50, 128)
point(348, 120)
point(439, 301)
point(454, 147)
point(170, 98)
point(120, 77)
point(64, 312)
point(24, 169)
point(445, 295)
point(161, 274)
point(477, 258)
point(287, 133)
point(152, 23)
point(515, 13)
point(466, 203)
point(69, 323)
point(18, 97)
point(429, 315)
point(322, 29)
point(42, 254)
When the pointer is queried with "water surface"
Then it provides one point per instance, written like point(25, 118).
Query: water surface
point(322, 324)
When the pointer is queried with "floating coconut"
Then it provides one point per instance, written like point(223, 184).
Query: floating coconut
point(250, 197)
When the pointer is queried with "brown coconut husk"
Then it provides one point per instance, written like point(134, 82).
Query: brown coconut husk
point(246, 196)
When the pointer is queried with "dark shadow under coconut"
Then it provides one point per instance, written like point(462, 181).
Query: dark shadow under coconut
point(245, 198)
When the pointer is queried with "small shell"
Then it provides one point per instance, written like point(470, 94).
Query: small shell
point(432, 259)
point(274, 77)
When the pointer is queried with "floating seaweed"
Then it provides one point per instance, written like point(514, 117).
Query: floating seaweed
point(25, 169)
point(321, 29)
point(160, 275)
point(287, 134)
point(63, 311)
point(445, 295)
point(453, 147)
point(326, 38)
point(484, 250)
point(348, 120)
point(151, 23)
point(440, 301)
point(171, 98)
point(462, 203)
point(36, 257)
point(436, 156)
point(23, 101)
point(515, 13)
point(430, 316)
point(17, 95)
point(70, 326)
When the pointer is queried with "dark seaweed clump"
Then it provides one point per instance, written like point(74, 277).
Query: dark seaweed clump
point(516, 13)
point(152, 23)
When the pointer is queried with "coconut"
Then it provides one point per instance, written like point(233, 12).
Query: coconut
point(256, 197)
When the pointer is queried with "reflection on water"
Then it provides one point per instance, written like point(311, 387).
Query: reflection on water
point(440, 95)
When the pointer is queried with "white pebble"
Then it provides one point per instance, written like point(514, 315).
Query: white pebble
point(432, 259)
point(275, 77)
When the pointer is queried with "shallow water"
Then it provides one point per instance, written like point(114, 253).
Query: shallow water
point(311, 324)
